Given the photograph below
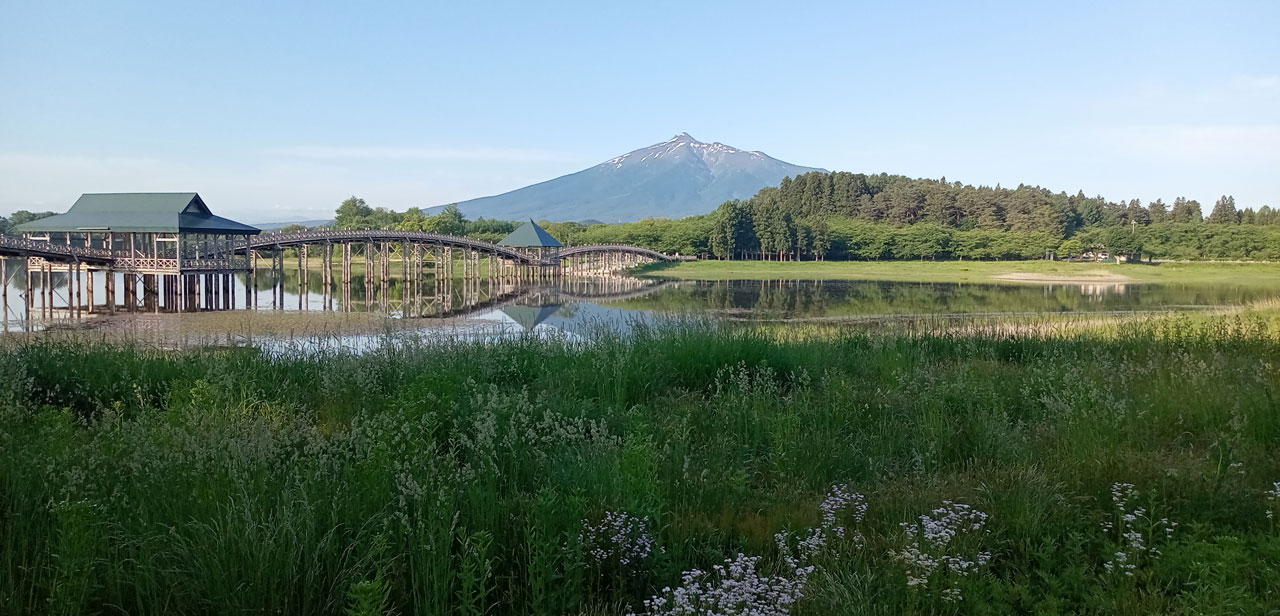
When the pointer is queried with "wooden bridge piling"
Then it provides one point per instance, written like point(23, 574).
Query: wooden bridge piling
point(252, 293)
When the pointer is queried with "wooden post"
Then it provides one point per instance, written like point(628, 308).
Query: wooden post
point(326, 272)
point(347, 250)
point(128, 288)
point(149, 292)
point(4, 279)
point(110, 283)
point(305, 255)
point(74, 296)
point(368, 272)
point(274, 296)
point(301, 289)
point(251, 293)
point(346, 276)
point(386, 273)
point(28, 298)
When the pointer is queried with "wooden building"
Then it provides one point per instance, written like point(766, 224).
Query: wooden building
point(534, 242)
point(170, 252)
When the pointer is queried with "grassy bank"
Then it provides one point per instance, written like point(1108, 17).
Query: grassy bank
point(968, 271)
point(1125, 473)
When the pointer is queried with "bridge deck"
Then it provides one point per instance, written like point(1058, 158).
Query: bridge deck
point(61, 253)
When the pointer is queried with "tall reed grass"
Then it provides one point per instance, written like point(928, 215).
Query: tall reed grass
point(474, 478)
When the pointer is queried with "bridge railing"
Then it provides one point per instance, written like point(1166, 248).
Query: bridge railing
point(41, 248)
point(304, 237)
point(627, 248)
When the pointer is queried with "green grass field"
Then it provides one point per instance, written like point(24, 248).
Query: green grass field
point(979, 471)
point(966, 271)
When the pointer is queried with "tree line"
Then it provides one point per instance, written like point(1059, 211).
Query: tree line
point(853, 216)
point(685, 236)
point(8, 224)
point(856, 216)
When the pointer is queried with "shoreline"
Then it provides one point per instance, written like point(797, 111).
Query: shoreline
point(1097, 278)
point(985, 272)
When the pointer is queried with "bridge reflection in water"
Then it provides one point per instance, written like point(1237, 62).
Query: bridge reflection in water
point(460, 297)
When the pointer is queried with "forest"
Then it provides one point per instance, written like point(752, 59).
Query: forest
point(854, 216)
point(7, 223)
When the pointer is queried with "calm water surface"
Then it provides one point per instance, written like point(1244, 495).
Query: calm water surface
point(576, 308)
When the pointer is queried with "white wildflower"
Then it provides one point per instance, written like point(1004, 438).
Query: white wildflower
point(734, 588)
point(619, 539)
point(738, 588)
point(936, 552)
point(1129, 525)
point(839, 501)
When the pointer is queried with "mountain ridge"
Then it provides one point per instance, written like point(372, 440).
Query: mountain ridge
point(674, 178)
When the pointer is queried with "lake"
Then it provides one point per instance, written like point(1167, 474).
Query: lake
point(577, 307)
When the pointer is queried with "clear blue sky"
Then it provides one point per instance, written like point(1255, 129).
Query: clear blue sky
point(275, 111)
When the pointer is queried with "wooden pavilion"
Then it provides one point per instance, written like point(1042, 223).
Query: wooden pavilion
point(168, 245)
point(534, 241)
point(531, 238)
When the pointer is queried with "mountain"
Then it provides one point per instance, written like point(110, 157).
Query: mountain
point(678, 177)
point(276, 226)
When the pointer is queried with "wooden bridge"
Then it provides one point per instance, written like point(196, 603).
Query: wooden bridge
point(68, 253)
point(415, 256)
point(171, 253)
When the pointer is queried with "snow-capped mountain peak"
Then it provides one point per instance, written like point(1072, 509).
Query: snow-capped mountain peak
point(672, 148)
point(677, 177)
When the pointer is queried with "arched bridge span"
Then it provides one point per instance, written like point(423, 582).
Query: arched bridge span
point(19, 247)
point(570, 251)
point(269, 241)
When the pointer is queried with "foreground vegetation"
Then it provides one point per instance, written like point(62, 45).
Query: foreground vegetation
point(1125, 470)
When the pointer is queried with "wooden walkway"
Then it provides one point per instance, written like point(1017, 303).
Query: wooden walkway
point(418, 257)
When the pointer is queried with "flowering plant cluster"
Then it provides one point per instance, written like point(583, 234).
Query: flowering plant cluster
point(839, 500)
point(1129, 524)
point(1273, 500)
point(619, 539)
point(734, 588)
point(936, 552)
point(738, 588)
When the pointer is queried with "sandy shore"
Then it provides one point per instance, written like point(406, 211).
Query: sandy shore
point(1089, 277)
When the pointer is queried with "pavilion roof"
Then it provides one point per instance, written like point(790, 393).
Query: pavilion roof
point(530, 235)
point(139, 213)
point(530, 317)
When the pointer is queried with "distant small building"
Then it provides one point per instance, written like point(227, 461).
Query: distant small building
point(532, 238)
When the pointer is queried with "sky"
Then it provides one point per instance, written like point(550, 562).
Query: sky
point(278, 111)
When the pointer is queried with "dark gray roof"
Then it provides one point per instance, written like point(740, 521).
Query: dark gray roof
point(141, 213)
point(530, 235)
point(530, 317)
